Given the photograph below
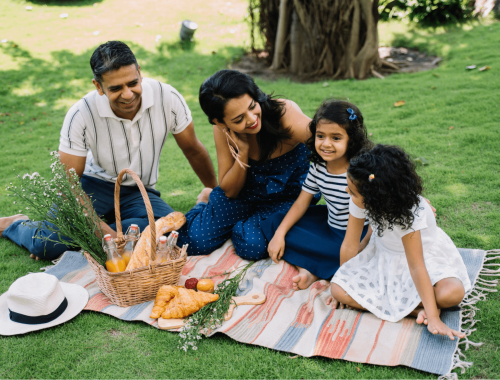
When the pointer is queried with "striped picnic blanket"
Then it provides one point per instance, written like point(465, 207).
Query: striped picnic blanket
point(300, 322)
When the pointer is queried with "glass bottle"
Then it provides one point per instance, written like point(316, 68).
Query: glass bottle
point(115, 262)
point(131, 237)
point(172, 241)
point(162, 255)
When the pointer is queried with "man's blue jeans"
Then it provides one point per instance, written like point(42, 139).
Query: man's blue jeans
point(132, 211)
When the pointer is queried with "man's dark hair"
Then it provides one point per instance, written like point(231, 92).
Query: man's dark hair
point(111, 56)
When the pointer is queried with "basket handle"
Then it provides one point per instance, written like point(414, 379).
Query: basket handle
point(149, 209)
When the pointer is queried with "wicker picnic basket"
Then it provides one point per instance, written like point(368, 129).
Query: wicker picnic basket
point(138, 285)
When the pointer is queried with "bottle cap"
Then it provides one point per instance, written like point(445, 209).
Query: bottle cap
point(134, 226)
point(107, 237)
point(163, 239)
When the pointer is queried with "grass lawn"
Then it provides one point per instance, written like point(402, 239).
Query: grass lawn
point(451, 118)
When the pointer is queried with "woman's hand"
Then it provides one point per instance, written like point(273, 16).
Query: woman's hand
point(276, 248)
point(436, 326)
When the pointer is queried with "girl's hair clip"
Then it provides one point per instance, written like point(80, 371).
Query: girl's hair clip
point(371, 177)
point(353, 114)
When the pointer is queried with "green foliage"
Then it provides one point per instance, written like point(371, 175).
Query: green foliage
point(61, 202)
point(210, 317)
point(428, 12)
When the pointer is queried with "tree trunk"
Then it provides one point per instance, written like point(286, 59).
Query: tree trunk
point(333, 38)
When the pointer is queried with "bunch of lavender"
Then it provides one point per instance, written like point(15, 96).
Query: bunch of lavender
point(62, 202)
point(211, 317)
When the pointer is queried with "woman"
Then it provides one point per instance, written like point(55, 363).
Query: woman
point(262, 163)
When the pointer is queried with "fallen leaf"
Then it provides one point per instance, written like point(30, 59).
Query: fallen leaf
point(214, 52)
point(436, 75)
point(433, 87)
point(49, 124)
point(471, 67)
point(451, 127)
point(357, 368)
point(399, 103)
point(484, 68)
point(22, 122)
point(421, 161)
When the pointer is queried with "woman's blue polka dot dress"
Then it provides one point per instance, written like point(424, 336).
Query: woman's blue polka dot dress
point(270, 187)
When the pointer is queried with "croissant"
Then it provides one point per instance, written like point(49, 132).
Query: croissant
point(164, 295)
point(179, 301)
point(171, 222)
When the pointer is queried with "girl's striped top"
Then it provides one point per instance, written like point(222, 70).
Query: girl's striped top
point(332, 187)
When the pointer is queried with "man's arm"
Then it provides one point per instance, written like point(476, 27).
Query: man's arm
point(197, 155)
point(78, 163)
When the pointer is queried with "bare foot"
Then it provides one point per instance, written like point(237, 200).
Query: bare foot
point(8, 220)
point(421, 315)
point(303, 280)
point(34, 257)
point(204, 195)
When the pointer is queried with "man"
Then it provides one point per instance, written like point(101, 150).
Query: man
point(122, 124)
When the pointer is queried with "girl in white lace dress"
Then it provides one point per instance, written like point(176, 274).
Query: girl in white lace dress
point(408, 265)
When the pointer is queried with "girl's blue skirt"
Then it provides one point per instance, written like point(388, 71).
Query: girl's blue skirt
point(311, 243)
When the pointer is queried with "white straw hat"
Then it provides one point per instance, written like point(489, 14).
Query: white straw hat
point(38, 301)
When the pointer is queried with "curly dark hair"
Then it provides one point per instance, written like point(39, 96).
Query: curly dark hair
point(336, 111)
point(392, 195)
point(225, 85)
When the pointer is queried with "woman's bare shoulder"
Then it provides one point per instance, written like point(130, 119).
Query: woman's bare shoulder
point(296, 121)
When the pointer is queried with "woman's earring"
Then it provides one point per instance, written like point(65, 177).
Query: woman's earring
point(233, 151)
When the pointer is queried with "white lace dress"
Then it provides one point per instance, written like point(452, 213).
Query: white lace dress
point(379, 278)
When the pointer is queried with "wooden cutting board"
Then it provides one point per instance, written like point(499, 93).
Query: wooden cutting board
point(252, 299)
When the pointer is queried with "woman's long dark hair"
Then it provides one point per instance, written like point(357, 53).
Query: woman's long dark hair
point(225, 85)
point(392, 195)
point(335, 111)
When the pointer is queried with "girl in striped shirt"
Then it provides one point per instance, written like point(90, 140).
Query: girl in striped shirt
point(310, 237)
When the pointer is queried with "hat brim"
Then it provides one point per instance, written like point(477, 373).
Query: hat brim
point(76, 295)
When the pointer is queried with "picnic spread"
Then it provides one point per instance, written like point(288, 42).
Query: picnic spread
point(300, 322)
point(144, 276)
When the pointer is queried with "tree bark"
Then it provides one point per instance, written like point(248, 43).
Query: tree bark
point(332, 38)
point(281, 35)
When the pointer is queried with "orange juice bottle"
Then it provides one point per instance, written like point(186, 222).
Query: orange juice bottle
point(114, 262)
point(131, 236)
point(162, 255)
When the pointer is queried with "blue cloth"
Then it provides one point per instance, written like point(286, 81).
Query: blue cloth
point(30, 234)
point(311, 243)
point(270, 187)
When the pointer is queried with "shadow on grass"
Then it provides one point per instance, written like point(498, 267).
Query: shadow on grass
point(36, 80)
point(36, 93)
point(58, 3)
